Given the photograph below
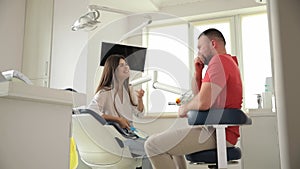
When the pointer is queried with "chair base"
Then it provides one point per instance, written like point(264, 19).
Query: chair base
point(210, 156)
point(214, 166)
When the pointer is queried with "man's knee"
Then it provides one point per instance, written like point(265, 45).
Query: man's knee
point(150, 146)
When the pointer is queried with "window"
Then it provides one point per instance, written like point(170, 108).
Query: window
point(169, 50)
point(168, 54)
point(256, 56)
point(222, 25)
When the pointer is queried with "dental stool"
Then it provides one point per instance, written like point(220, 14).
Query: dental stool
point(219, 119)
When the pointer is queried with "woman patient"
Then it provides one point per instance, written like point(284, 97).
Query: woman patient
point(114, 100)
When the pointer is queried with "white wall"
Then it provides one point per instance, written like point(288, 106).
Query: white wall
point(112, 27)
point(68, 59)
point(12, 17)
point(285, 26)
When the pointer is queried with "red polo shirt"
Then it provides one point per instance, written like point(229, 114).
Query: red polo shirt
point(223, 71)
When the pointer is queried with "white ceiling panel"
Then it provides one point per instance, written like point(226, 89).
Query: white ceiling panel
point(175, 7)
point(142, 5)
point(166, 3)
point(128, 5)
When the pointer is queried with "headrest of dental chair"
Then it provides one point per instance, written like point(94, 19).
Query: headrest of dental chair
point(94, 114)
point(218, 116)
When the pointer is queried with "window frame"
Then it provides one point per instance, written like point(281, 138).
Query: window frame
point(145, 41)
point(235, 22)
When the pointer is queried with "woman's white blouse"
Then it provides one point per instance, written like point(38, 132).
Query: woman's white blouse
point(103, 103)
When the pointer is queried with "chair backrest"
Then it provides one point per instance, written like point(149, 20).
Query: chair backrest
point(96, 142)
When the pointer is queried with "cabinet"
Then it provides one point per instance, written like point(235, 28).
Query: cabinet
point(37, 41)
point(35, 126)
point(12, 16)
point(259, 141)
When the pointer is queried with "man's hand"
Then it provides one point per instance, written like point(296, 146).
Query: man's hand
point(197, 80)
point(199, 65)
point(182, 111)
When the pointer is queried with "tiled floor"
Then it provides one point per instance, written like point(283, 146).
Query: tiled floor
point(81, 165)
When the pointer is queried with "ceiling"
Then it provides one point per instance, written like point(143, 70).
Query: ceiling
point(179, 8)
point(166, 3)
point(142, 5)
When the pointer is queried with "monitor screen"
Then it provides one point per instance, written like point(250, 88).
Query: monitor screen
point(135, 56)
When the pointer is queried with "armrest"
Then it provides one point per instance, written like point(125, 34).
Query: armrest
point(124, 132)
point(94, 114)
point(218, 117)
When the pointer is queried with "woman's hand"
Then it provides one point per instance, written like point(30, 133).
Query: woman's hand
point(124, 123)
point(140, 94)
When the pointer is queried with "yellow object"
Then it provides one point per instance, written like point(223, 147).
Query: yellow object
point(73, 154)
point(178, 101)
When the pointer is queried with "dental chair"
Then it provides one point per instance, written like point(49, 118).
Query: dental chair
point(219, 119)
point(99, 144)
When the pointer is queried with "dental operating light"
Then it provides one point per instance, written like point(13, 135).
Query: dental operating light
point(89, 20)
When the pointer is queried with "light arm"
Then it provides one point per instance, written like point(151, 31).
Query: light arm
point(139, 81)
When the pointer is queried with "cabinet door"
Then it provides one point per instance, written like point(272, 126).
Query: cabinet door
point(260, 145)
point(41, 82)
point(37, 38)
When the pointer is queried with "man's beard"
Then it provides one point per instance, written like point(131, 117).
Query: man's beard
point(207, 59)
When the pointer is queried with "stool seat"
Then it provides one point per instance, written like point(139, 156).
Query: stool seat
point(210, 156)
point(218, 119)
